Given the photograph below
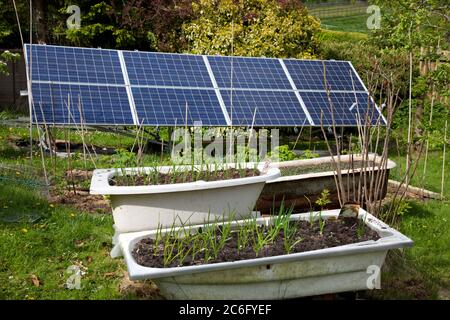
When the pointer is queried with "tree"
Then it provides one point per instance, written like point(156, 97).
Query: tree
point(133, 24)
point(268, 28)
point(422, 28)
point(6, 56)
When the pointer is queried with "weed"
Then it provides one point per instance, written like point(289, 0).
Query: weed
point(322, 201)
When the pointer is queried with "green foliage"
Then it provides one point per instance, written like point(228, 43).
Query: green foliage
point(284, 153)
point(412, 24)
point(9, 32)
point(7, 56)
point(434, 133)
point(124, 159)
point(251, 28)
point(324, 198)
point(325, 36)
point(111, 25)
point(308, 154)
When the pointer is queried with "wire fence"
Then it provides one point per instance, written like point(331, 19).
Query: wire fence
point(337, 8)
point(340, 15)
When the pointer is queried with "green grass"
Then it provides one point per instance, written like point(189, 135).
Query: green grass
point(45, 249)
point(432, 179)
point(42, 240)
point(423, 271)
point(355, 23)
point(332, 36)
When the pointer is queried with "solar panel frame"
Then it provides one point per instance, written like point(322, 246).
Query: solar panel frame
point(309, 75)
point(65, 96)
point(75, 65)
point(200, 102)
point(171, 70)
point(276, 108)
point(247, 73)
point(115, 71)
point(341, 108)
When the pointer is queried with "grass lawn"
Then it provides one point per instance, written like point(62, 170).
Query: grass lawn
point(39, 241)
point(353, 23)
point(422, 271)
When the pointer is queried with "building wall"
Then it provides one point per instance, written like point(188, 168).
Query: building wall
point(10, 85)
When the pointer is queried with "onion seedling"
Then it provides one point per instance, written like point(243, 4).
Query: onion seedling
point(322, 201)
point(361, 227)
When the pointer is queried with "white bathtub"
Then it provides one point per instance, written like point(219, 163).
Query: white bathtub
point(339, 269)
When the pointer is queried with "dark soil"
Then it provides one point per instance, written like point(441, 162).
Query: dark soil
point(82, 201)
point(182, 177)
point(292, 171)
point(336, 232)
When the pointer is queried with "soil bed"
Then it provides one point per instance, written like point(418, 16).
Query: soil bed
point(337, 232)
point(323, 167)
point(181, 177)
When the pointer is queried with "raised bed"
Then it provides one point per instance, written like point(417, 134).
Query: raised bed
point(146, 207)
point(313, 176)
point(330, 270)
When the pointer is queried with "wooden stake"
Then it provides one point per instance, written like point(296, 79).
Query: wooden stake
point(443, 160)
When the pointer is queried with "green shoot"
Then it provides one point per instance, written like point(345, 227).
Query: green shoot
point(322, 201)
point(361, 229)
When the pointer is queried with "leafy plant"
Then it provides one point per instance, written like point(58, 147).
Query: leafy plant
point(7, 56)
point(256, 28)
point(308, 154)
point(322, 201)
point(283, 152)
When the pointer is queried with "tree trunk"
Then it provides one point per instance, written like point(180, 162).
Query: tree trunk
point(40, 13)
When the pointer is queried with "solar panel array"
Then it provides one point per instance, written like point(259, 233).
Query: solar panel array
point(113, 87)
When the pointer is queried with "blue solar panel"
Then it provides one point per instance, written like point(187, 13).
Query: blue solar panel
point(161, 85)
point(309, 75)
point(167, 106)
point(75, 65)
point(343, 107)
point(99, 104)
point(273, 108)
point(249, 73)
point(168, 70)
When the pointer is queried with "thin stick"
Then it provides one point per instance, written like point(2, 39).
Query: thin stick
point(408, 156)
point(162, 149)
point(300, 133)
point(42, 152)
point(186, 133)
point(338, 163)
point(69, 156)
point(443, 161)
point(83, 130)
point(30, 95)
point(250, 135)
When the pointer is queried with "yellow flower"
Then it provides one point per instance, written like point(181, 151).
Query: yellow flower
point(24, 230)
point(72, 215)
point(52, 205)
